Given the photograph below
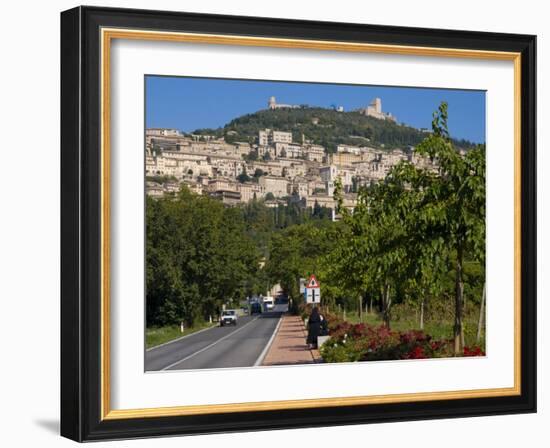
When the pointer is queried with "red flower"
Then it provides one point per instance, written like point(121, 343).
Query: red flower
point(473, 351)
point(416, 353)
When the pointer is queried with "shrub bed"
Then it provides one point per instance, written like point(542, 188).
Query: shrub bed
point(362, 342)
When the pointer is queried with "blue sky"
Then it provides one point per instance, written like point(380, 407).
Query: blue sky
point(191, 103)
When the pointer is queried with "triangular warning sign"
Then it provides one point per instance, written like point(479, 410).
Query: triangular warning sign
point(312, 282)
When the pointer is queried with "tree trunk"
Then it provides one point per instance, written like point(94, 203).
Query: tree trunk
point(459, 302)
point(481, 321)
point(422, 314)
point(370, 306)
point(386, 305)
point(359, 302)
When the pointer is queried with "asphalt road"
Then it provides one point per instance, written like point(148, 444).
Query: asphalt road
point(218, 347)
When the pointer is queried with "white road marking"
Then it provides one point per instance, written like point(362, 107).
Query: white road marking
point(181, 337)
point(266, 348)
point(209, 346)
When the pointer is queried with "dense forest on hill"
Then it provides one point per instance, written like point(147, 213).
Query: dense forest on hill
point(325, 127)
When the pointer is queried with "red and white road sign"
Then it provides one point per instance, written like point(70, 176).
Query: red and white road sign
point(312, 282)
point(313, 290)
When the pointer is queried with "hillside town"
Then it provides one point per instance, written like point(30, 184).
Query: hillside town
point(257, 222)
point(274, 167)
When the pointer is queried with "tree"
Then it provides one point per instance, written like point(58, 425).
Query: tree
point(409, 231)
point(251, 156)
point(243, 177)
point(199, 255)
point(297, 251)
point(383, 210)
point(316, 209)
point(452, 206)
point(373, 248)
point(354, 184)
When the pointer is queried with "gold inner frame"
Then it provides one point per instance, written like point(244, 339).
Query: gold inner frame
point(107, 35)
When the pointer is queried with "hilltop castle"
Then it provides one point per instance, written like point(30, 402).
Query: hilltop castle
point(374, 109)
point(272, 105)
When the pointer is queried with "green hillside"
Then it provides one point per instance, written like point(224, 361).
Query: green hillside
point(325, 127)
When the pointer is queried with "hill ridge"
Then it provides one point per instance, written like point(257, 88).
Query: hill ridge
point(323, 126)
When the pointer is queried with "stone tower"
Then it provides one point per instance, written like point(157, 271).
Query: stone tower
point(377, 104)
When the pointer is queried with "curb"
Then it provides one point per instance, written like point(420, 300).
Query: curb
point(262, 356)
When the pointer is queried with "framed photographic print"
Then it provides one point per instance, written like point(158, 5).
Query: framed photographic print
point(273, 223)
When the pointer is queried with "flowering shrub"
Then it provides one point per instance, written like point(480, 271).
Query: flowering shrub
point(362, 342)
point(473, 351)
point(347, 351)
point(416, 353)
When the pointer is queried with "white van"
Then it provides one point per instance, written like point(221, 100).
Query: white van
point(268, 303)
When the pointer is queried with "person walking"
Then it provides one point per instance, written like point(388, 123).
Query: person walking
point(313, 328)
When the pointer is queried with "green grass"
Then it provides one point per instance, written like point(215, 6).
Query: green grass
point(159, 335)
point(437, 330)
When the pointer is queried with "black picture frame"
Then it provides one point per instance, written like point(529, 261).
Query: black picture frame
point(81, 224)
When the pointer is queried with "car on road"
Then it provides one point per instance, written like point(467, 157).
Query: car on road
point(228, 317)
point(268, 303)
point(255, 308)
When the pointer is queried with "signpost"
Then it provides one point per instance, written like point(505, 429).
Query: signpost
point(302, 286)
point(313, 291)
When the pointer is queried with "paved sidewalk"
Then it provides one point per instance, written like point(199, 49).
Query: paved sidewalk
point(289, 345)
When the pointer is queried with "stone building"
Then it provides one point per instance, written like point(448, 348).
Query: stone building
point(329, 174)
point(323, 200)
point(349, 149)
point(250, 190)
point(228, 197)
point(163, 132)
point(272, 104)
point(278, 186)
point(288, 150)
point(374, 109)
point(268, 137)
point(343, 158)
point(314, 153)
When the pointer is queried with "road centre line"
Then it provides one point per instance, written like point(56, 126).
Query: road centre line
point(209, 346)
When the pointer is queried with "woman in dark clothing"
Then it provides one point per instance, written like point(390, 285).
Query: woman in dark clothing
point(313, 327)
